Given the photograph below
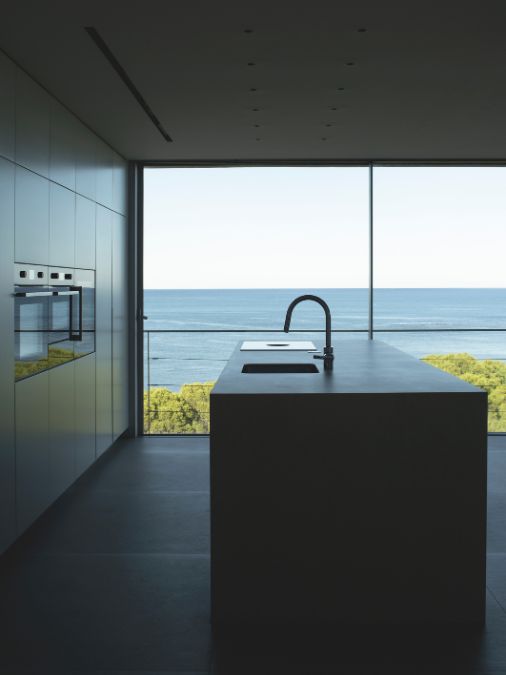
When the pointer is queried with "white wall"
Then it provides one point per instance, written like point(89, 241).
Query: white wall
point(63, 201)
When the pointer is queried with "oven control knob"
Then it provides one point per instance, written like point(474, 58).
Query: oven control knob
point(54, 275)
point(68, 276)
point(22, 274)
point(40, 275)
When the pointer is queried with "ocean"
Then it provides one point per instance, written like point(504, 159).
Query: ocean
point(185, 357)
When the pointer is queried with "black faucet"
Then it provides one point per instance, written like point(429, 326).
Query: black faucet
point(328, 351)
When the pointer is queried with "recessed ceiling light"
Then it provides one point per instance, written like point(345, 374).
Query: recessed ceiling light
point(350, 63)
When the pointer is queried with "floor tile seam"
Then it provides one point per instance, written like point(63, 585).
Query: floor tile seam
point(146, 452)
point(161, 455)
point(66, 671)
point(495, 598)
point(153, 455)
point(150, 554)
point(151, 444)
point(176, 670)
point(155, 492)
point(146, 449)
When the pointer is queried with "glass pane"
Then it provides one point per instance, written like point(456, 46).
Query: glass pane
point(230, 248)
point(439, 241)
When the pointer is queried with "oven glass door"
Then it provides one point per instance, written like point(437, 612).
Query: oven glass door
point(60, 341)
point(31, 319)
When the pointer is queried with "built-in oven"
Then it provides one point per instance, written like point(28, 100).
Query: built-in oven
point(54, 317)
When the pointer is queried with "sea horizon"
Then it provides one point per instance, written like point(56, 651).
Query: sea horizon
point(185, 357)
point(331, 288)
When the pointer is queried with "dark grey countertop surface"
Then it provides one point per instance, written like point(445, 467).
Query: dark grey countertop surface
point(360, 367)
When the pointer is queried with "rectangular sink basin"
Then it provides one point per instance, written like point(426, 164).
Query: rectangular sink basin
point(280, 368)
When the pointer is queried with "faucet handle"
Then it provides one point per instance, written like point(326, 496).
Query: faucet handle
point(328, 354)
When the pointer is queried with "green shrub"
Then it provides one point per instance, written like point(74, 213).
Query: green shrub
point(488, 375)
point(187, 411)
point(183, 412)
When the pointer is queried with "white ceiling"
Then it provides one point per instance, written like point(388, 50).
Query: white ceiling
point(429, 80)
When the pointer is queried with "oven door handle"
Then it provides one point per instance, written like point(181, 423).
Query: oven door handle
point(76, 290)
point(43, 294)
point(33, 294)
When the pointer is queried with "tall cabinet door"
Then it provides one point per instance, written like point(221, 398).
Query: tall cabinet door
point(119, 325)
point(104, 328)
point(7, 448)
point(62, 218)
point(7, 107)
point(84, 413)
point(33, 492)
point(85, 233)
point(31, 242)
point(61, 428)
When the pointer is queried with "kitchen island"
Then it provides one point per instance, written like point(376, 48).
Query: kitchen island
point(352, 496)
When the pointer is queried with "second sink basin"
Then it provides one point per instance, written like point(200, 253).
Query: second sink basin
point(280, 368)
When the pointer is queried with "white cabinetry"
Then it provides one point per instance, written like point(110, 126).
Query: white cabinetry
point(33, 493)
point(7, 447)
point(33, 112)
point(32, 218)
point(7, 107)
point(62, 223)
point(63, 144)
point(85, 233)
point(104, 328)
point(61, 428)
point(84, 401)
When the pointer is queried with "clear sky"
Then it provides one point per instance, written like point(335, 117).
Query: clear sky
point(307, 227)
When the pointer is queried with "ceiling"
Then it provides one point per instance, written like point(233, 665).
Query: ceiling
point(428, 80)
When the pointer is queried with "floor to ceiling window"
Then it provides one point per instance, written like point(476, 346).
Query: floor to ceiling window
point(227, 249)
point(439, 238)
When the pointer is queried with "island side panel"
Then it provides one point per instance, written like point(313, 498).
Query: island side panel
point(348, 508)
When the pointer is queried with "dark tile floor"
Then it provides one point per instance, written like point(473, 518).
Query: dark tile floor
point(114, 579)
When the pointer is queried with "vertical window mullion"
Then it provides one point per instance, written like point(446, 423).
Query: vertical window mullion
point(371, 254)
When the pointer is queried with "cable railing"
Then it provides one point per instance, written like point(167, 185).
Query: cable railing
point(173, 405)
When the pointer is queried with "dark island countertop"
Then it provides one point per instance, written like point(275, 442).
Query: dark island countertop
point(360, 367)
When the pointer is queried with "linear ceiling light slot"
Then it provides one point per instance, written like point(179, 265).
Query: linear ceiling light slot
point(97, 39)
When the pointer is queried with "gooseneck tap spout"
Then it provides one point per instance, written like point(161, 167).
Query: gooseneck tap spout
point(328, 351)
